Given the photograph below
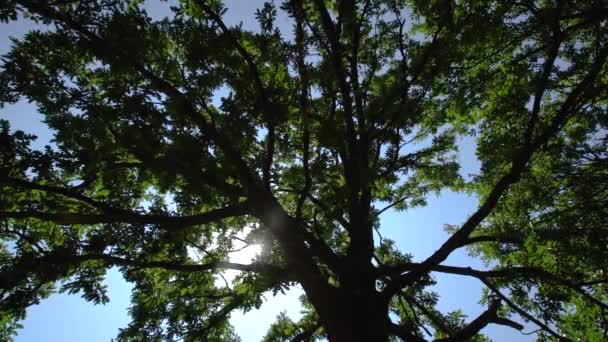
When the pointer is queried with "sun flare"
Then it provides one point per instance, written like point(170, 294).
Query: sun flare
point(245, 255)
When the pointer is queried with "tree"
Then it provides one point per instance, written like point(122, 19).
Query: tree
point(312, 143)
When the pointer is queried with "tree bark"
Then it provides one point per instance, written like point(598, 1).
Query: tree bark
point(360, 318)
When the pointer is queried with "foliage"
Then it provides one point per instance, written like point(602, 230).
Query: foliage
point(176, 141)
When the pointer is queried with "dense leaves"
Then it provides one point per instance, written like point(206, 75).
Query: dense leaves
point(180, 141)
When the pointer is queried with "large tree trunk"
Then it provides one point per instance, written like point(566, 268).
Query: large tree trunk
point(357, 318)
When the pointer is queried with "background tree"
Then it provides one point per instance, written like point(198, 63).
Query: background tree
point(314, 141)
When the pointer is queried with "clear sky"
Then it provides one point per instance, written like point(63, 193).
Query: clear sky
point(64, 318)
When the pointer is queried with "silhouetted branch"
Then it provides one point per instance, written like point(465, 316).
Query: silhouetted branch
point(523, 313)
point(124, 216)
point(490, 315)
point(518, 165)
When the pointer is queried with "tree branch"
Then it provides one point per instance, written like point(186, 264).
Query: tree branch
point(251, 63)
point(492, 238)
point(343, 222)
point(350, 167)
point(403, 333)
point(289, 233)
point(215, 319)
point(432, 316)
point(542, 86)
point(170, 266)
point(306, 334)
point(509, 273)
point(523, 313)
point(20, 183)
point(300, 34)
point(261, 89)
point(490, 315)
point(171, 222)
point(518, 165)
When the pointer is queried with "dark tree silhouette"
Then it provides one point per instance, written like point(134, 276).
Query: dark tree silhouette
point(314, 139)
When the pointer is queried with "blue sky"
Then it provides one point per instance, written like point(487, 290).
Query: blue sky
point(420, 231)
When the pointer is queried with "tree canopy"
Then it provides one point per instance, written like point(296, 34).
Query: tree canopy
point(319, 130)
